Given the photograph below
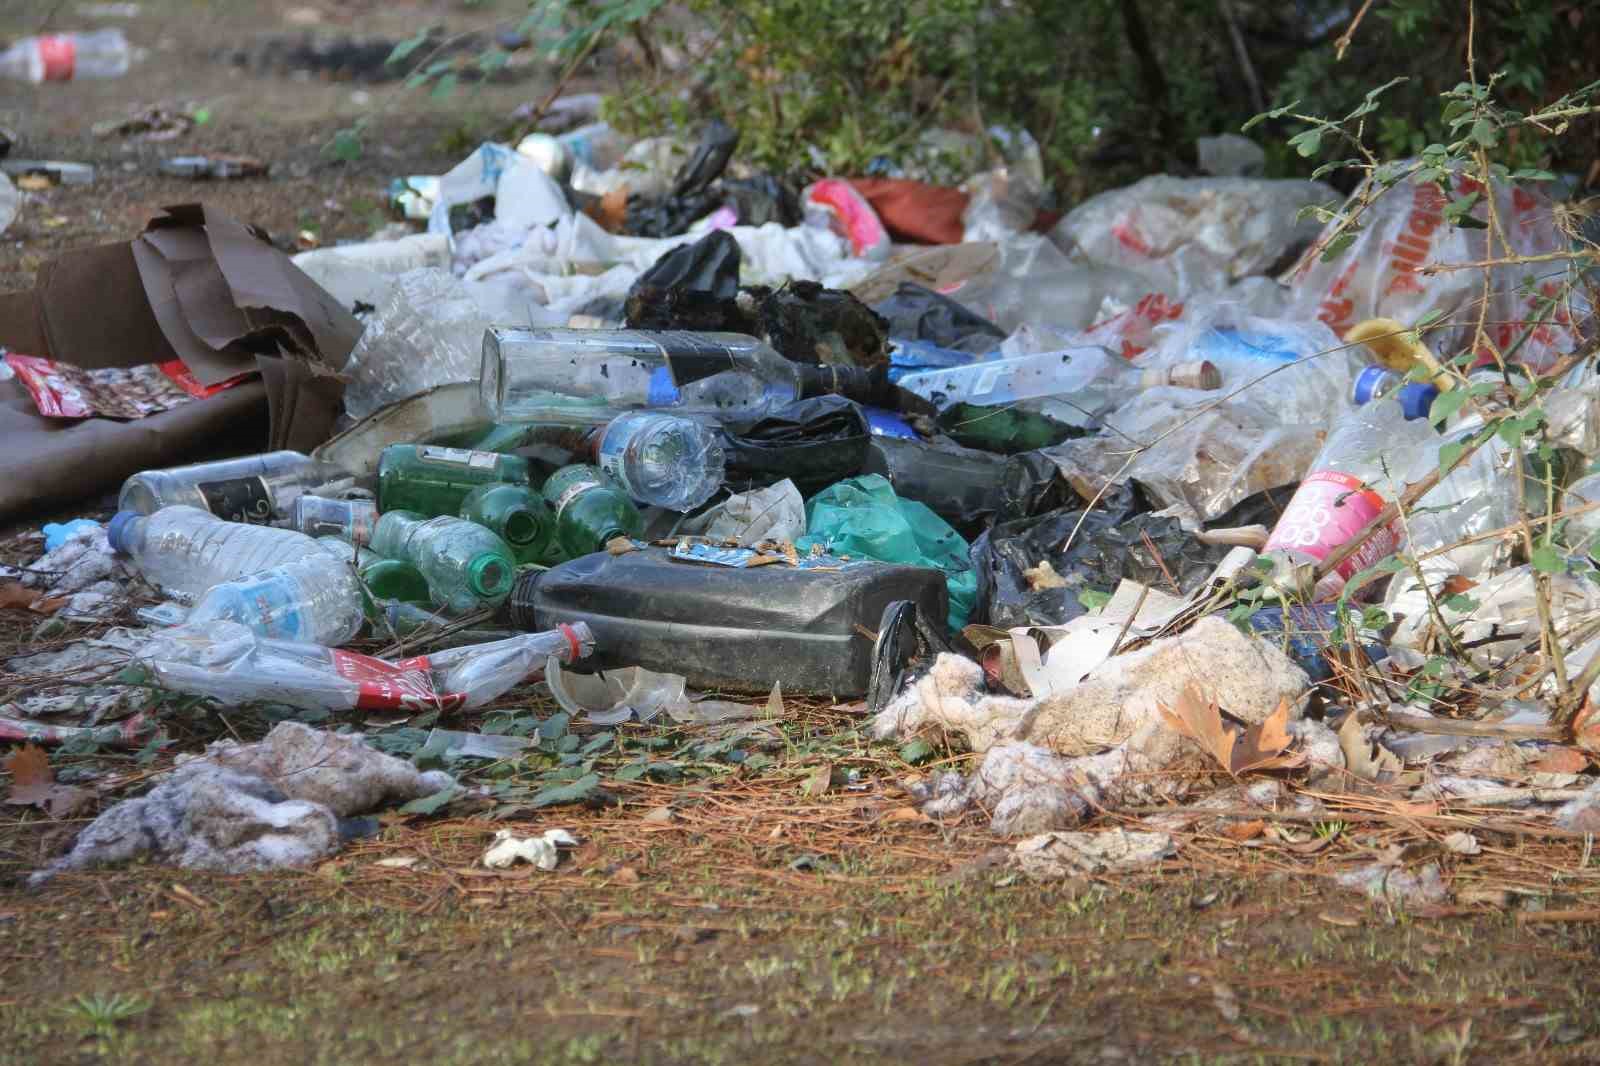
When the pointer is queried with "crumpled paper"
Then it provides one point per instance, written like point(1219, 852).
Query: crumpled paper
point(1059, 855)
point(509, 849)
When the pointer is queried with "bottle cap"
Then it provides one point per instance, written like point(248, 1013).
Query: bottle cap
point(1197, 375)
point(489, 575)
point(117, 530)
point(1416, 399)
point(1372, 381)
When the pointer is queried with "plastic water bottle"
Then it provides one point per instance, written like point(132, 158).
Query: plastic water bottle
point(662, 460)
point(517, 515)
point(434, 481)
point(1360, 468)
point(186, 550)
point(65, 56)
point(316, 600)
point(257, 488)
point(590, 509)
point(534, 375)
point(1089, 379)
point(466, 565)
point(386, 579)
point(1375, 382)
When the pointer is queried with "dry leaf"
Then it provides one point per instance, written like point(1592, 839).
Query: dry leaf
point(819, 780)
point(905, 814)
point(15, 594)
point(1242, 831)
point(34, 785)
point(791, 553)
point(1359, 757)
point(1456, 585)
point(1586, 727)
point(1260, 747)
point(775, 702)
point(1462, 843)
point(1561, 761)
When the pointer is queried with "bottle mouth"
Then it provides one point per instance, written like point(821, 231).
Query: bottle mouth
point(519, 608)
point(489, 576)
point(521, 527)
point(608, 535)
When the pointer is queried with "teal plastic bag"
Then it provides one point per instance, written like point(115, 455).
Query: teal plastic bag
point(863, 518)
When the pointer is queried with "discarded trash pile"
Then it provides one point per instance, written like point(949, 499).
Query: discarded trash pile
point(1111, 506)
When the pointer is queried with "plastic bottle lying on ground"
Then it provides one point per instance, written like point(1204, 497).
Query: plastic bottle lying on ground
point(727, 624)
point(186, 551)
point(717, 375)
point(257, 488)
point(316, 599)
point(1087, 380)
point(467, 566)
point(228, 662)
point(385, 579)
point(65, 56)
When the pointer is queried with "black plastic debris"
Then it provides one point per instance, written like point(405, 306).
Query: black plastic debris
point(813, 442)
point(694, 286)
point(918, 313)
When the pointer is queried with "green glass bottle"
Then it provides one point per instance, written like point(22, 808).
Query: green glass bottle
point(433, 481)
point(1004, 429)
point(386, 579)
point(590, 509)
point(520, 517)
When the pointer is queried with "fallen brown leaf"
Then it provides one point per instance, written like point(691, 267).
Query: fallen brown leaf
point(905, 814)
point(1244, 830)
point(15, 594)
point(1370, 762)
point(1562, 761)
point(1260, 747)
point(817, 783)
point(33, 784)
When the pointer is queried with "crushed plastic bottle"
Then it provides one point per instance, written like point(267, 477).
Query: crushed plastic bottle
point(231, 663)
point(590, 509)
point(427, 331)
point(662, 460)
point(65, 56)
point(1083, 381)
point(525, 374)
point(186, 551)
point(435, 481)
point(467, 566)
point(257, 488)
point(316, 599)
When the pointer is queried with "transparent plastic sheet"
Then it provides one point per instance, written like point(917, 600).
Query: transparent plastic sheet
point(1193, 235)
point(1033, 281)
point(1002, 203)
point(427, 332)
point(862, 517)
point(1404, 232)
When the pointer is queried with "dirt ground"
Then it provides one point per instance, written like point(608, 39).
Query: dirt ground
point(717, 911)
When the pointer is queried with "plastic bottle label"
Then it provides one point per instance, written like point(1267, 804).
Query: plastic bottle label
point(1327, 510)
point(572, 492)
point(273, 610)
point(238, 499)
point(60, 55)
point(400, 686)
point(613, 451)
point(459, 457)
point(661, 391)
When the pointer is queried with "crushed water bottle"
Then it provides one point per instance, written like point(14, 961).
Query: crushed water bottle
point(186, 551)
point(662, 460)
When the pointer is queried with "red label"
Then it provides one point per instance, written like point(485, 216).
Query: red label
point(185, 380)
point(55, 394)
point(60, 57)
point(405, 685)
point(1329, 509)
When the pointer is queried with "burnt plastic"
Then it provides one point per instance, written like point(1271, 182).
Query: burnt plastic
point(742, 629)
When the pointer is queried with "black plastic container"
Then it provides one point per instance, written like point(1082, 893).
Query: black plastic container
point(809, 629)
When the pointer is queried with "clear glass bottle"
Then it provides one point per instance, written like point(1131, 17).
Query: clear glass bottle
point(256, 488)
point(466, 566)
point(186, 551)
point(590, 509)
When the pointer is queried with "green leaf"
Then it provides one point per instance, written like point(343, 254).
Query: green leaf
point(1461, 603)
point(1547, 560)
point(1336, 247)
point(1093, 599)
point(578, 790)
point(916, 752)
point(554, 726)
point(1449, 453)
point(1307, 142)
point(1532, 175)
point(431, 804)
point(597, 742)
point(345, 145)
point(446, 86)
point(1446, 404)
point(132, 675)
point(568, 743)
point(1485, 134)
point(631, 772)
point(407, 46)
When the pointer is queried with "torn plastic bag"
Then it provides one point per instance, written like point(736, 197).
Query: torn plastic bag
point(812, 324)
point(761, 199)
point(693, 286)
point(776, 513)
point(691, 197)
point(1034, 281)
point(1193, 235)
point(226, 661)
point(813, 442)
point(1026, 579)
point(920, 314)
point(862, 517)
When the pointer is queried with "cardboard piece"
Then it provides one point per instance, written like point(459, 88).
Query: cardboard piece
point(198, 286)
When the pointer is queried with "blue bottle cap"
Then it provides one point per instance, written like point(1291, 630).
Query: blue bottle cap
point(1370, 382)
point(1416, 399)
point(117, 529)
